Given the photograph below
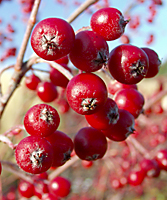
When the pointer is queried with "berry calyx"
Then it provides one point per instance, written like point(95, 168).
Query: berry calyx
point(128, 64)
point(34, 154)
point(52, 38)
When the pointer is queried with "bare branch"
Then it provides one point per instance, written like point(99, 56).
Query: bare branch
point(81, 9)
point(30, 26)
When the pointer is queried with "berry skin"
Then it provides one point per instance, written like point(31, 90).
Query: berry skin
point(109, 23)
point(114, 86)
point(122, 129)
point(131, 100)
point(52, 38)
point(32, 81)
point(161, 158)
point(90, 51)
point(150, 167)
point(128, 64)
point(34, 154)
point(0, 168)
point(86, 93)
point(107, 115)
point(62, 147)
point(26, 189)
point(57, 78)
point(90, 144)
point(47, 91)
point(41, 120)
point(154, 62)
point(136, 177)
point(60, 186)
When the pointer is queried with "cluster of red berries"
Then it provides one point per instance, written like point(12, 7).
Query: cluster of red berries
point(110, 110)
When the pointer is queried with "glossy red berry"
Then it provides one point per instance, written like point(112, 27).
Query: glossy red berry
point(32, 81)
point(154, 62)
point(136, 177)
point(131, 100)
point(87, 164)
point(41, 120)
point(108, 22)
point(128, 64)
point(114, 86)
point(90, 144)
point(62, 147)
point(0, 168)
point(26, 189)
point(52, 38)
point(107, 115)
point(90, 51)
point(86, 93)
point(150, 167)
point(57, 78)
point(47, 91)
point(60, 186)
point(161, 158)
point(34, 154)
point(122, 129)
point(63, 60)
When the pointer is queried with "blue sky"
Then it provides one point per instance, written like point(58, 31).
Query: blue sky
point(49, 8)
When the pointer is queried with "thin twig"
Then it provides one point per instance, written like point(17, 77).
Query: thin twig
point(81, 9)
point(61, 169)
point(31, 23)
point(57, 66)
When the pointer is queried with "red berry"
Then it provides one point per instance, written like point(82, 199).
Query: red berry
point(90, 144)
point(62, 147)
point(87, 164)
point(114, 86)
point(125, 39)
point(107, 115)
point(41, 120)
point(47, 91)
point(26, 189)
point(0, 168)
point(63, 60)
point(136, 177)
point(150, 167)
point(128, 64)
point(57, 78)
point(86, 93)
point(48, 196)
point(131, 100)
point(161, 158)
point(52, 38)
point(154, 62)
point(122, 129)
point(90, 51)
point(34, 154)
point(109, 23)
point(32, 81)
point(60, 186)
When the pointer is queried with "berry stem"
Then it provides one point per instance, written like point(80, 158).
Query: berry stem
point(6, 140)
point(55, 65)
point(30, 26)
point(13, 168)
point(81, 9)
point(61, 169)
point(139, 147)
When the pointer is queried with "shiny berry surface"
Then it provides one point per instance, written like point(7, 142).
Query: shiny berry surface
point(52, 38)
point(41, 120)
point(32, 81)
point(86, 93)
point(90, 144)
point(128, 64)
point(131, 100)
point(34, 154)
point(47, 91)
point(109, 23)
point(90, 51)
point(62, 147)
